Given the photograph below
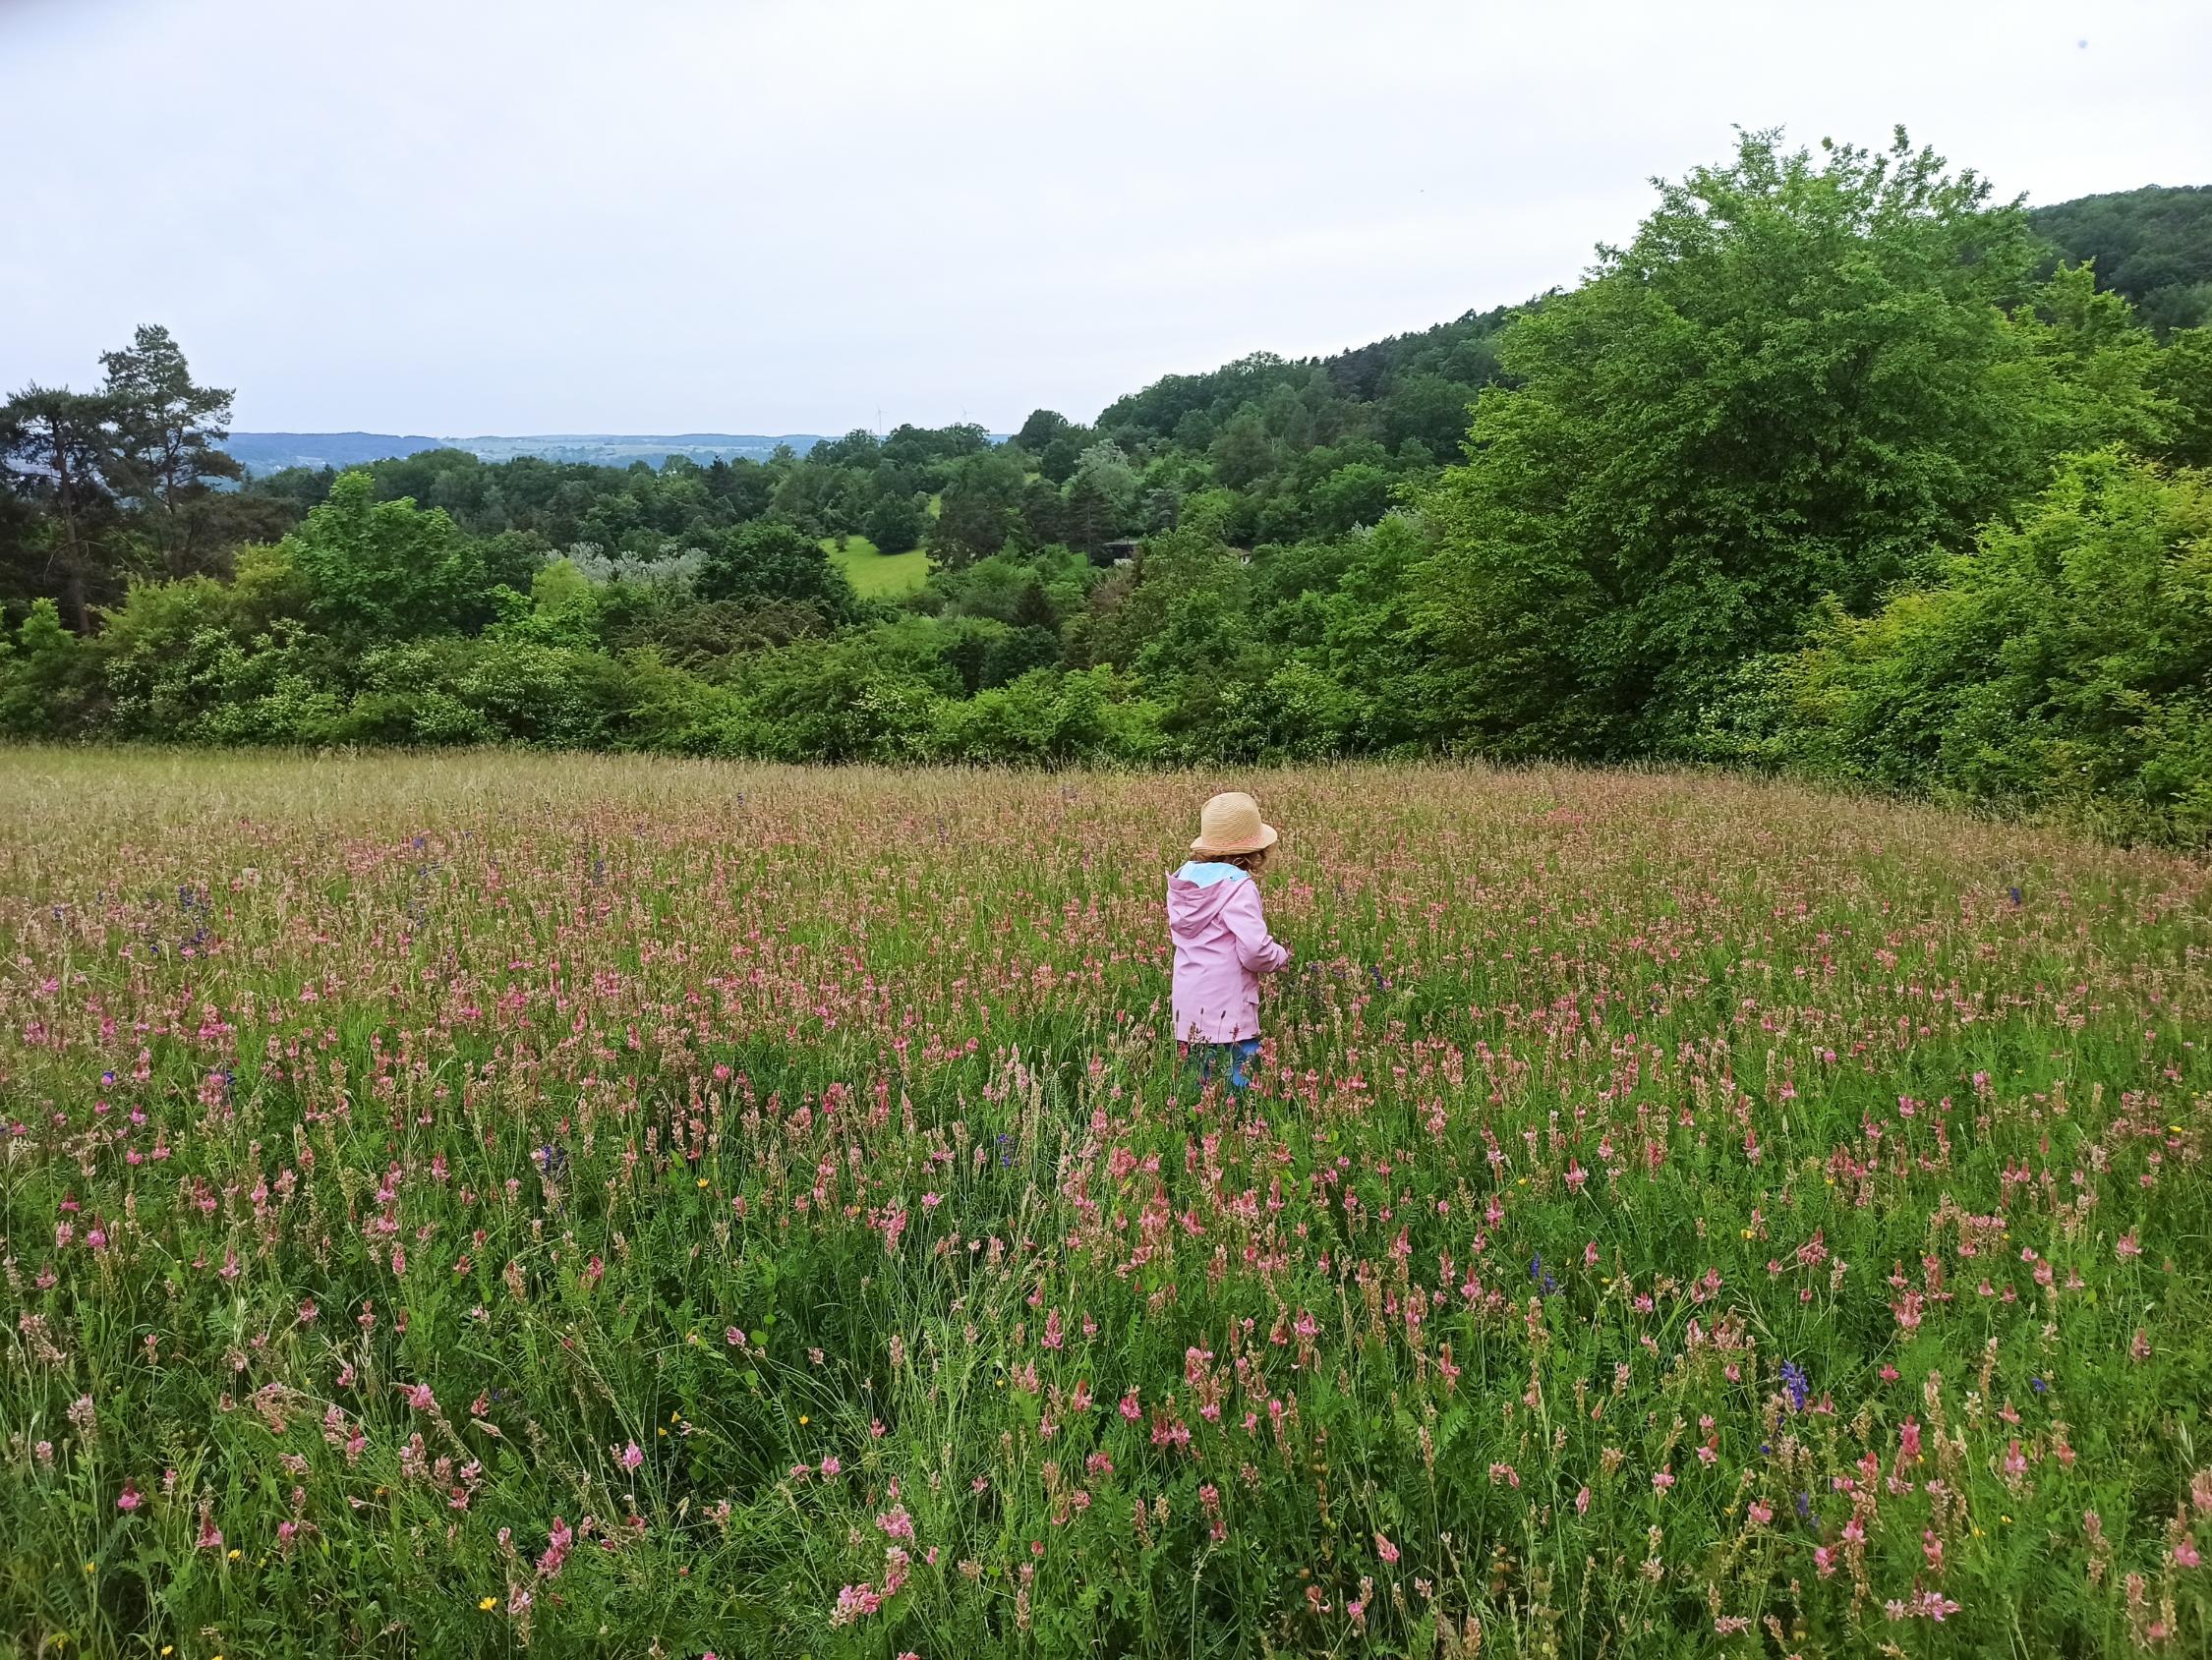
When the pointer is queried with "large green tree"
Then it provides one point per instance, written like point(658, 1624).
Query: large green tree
point(896, 522)
point(386, 570)
point(56, 446)
point(168, 446)
point(858, 448)
point(771, 560)
point(1042, 427)
point(981, 506)
point(1243, 451)
point(1105, 468)
point(1799, 380)
point(2183, 374)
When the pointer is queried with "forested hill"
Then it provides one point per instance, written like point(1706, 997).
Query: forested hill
point(2153, 245)
point(1839, 466)
point(1426, 379)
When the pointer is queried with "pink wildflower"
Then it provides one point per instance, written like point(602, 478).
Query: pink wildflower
point(556, 1549)
point(855, 1602)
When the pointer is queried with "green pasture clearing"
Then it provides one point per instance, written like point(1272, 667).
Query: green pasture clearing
point(874, 575)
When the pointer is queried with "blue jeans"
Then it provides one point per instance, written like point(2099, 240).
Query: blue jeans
point(1203, 1056)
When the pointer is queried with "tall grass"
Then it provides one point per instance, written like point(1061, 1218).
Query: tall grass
point(610, 1205)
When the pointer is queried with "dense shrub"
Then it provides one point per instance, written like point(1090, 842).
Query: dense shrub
point(1049, 716)
point(2065, 664)
point(771, 560)
point(384, 570)
point(49, 677)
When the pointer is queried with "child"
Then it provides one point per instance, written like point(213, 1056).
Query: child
point(1221, 941)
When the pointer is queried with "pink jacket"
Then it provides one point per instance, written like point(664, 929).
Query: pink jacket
point(1221, 949)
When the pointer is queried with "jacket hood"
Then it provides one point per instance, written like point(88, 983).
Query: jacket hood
point(1196, 898)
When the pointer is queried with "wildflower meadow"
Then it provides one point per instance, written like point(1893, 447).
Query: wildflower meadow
point(617, 1206)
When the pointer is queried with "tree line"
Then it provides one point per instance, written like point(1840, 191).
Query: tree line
point(1838, 466)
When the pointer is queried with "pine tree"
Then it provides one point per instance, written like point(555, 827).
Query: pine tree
point(167, 445)
point(56, 447)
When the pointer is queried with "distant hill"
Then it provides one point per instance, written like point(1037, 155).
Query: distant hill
point(268, 452)
point(620, 449)
point(2153, 245)
point(265, 453)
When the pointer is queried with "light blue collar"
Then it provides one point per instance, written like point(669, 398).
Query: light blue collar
point(1207, 873)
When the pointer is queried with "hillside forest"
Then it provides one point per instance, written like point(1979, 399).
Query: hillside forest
point(1841, 466)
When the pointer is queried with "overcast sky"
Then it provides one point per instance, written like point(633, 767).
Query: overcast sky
point(460, 218)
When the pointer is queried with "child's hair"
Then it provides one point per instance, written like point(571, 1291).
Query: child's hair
point(1247, 862)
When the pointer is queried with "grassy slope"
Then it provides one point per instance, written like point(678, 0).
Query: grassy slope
point(878, 576)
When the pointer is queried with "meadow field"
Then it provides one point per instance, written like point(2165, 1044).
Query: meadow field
point(609, 1206)
point(875, 575)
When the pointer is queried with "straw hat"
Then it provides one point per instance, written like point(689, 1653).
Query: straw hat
point(1230, 823)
